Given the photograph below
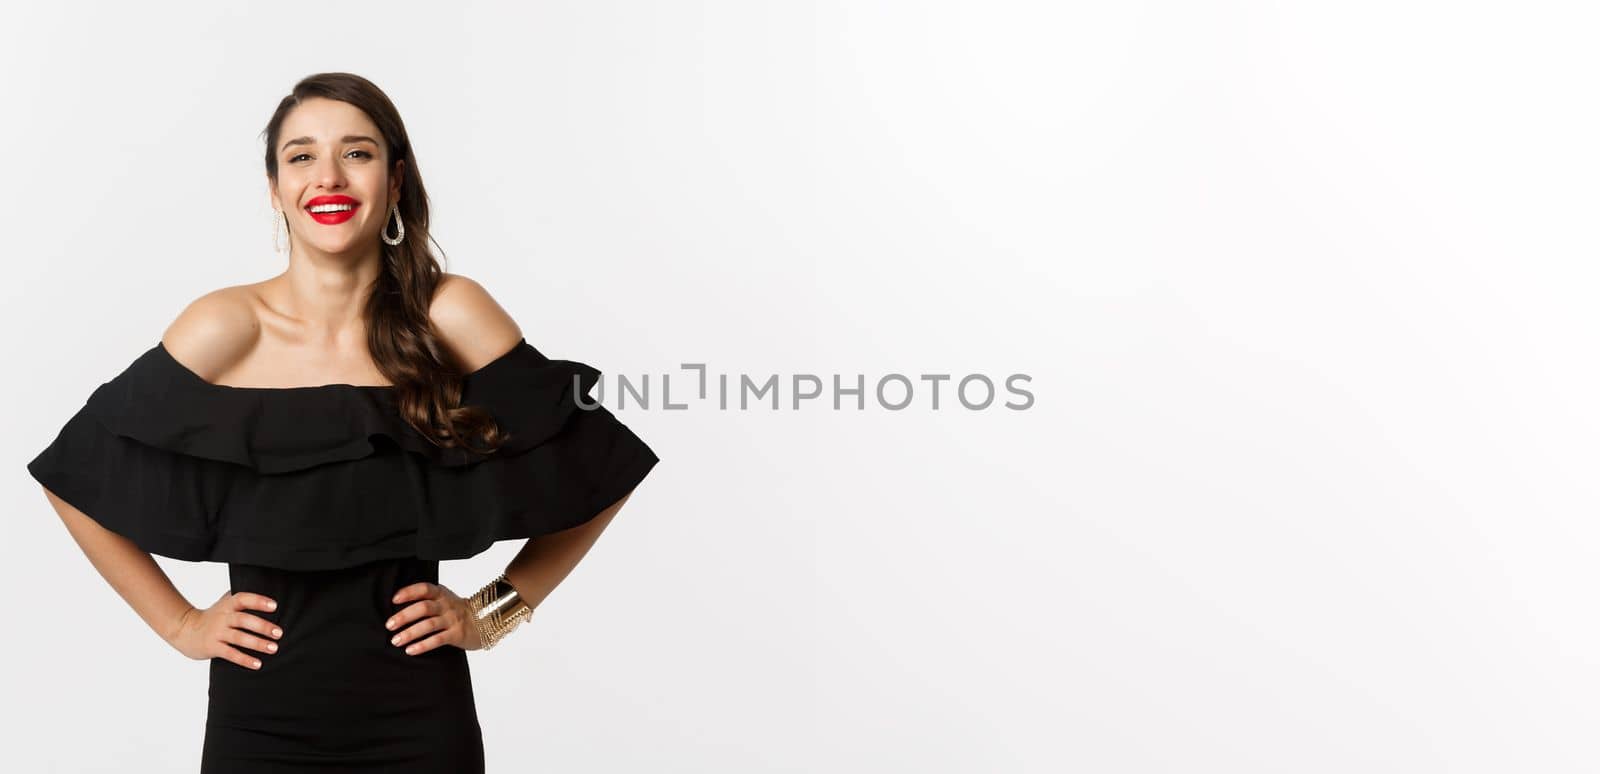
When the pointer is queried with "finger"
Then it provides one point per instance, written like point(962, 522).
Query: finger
point(414, 591)
point(414, 612)
point(446, 637)
point(232, 654)
point(418, 629)
point(257, 624)
point(249, 600)
point(258, 644)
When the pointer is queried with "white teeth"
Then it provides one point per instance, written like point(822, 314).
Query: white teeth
point(331, 207)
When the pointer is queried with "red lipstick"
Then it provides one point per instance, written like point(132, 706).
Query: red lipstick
point(342, 209)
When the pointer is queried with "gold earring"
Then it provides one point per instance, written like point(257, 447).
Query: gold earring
point(280, 230)
point(394, 210)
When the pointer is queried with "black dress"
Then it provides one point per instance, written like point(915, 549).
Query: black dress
point(325, 499)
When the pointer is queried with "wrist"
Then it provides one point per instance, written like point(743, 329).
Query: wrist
point(496, 610)
point(176, 629)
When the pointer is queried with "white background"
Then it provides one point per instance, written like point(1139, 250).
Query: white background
point(1306, 292)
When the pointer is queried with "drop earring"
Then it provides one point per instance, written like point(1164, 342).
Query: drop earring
point(400, 225)
point(280, 230)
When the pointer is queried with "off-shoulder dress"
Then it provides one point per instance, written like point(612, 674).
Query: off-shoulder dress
point(325, 499)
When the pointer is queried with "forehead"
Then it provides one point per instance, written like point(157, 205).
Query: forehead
point(326, 120)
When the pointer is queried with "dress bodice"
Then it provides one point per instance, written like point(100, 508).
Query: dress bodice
point(330, 476)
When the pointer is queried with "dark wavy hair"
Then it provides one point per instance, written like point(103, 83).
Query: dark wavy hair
point(400, 333)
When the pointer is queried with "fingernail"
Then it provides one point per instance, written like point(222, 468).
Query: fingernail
point(390, 624)
point(255, 662)
point(277, 632)
point(412, 650)
point(395, 640)
point(272, 647)
point(271, 605)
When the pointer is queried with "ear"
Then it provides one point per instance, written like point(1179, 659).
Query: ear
point(395, 179)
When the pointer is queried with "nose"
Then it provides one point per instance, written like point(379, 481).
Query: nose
point(329, 174)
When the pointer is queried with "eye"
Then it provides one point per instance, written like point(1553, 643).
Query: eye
point(362, 152)
point(296, 157)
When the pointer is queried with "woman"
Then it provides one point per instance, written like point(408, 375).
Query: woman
point(332, 433)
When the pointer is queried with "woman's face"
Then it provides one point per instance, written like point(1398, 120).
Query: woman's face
point(333, 184)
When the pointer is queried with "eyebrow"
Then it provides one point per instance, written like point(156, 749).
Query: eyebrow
point(349, 138)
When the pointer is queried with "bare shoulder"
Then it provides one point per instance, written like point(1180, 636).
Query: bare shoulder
point(214, 331)
point(474, 327)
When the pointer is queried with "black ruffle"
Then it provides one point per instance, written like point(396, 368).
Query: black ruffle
point(332, 476)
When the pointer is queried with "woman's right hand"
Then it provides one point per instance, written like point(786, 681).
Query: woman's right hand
point(212, 632)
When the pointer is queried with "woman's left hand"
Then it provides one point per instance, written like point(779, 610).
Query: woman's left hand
point(436, 616)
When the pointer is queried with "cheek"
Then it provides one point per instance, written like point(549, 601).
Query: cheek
point(289, 192)
point(375, 192)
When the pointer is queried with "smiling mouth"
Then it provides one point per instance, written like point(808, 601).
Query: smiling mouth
point(332, 214)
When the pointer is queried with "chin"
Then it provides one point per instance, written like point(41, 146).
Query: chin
point(334, 248)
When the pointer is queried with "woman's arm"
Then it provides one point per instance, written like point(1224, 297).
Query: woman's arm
point(130, 570)
point(546, 560)
point(476, 329)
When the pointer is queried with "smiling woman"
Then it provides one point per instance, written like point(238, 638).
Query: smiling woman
point(332, 434)
point(326, 173)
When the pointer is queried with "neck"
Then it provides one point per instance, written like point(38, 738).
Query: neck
point(324, 295)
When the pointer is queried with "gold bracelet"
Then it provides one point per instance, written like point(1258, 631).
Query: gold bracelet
point(497, 608)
